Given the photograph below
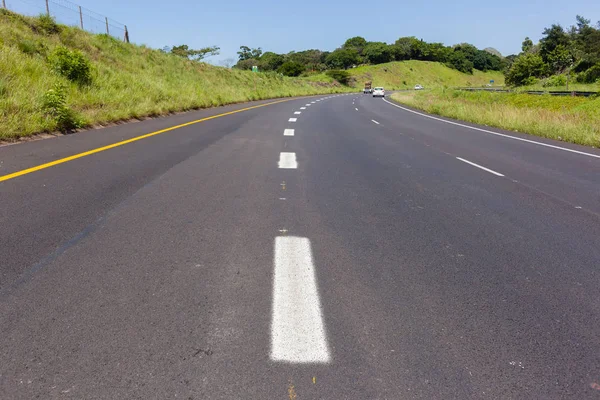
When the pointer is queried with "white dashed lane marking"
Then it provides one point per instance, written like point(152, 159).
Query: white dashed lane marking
point(288, 132)
point(303, 108)
point(297, 112)
point(375, 121)
point(287, 160)
point(293, 119)
point(479, 166)
point(297, 328)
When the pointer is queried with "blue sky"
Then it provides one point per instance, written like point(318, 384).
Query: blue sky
point(283, 26)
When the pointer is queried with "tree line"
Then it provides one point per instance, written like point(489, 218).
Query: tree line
point(358, 51)
point(560, 53)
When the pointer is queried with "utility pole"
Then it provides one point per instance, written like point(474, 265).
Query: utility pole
point(4, 4)
point(80, 18)
point(106, 19)
point(47, 8)
point(126, 35)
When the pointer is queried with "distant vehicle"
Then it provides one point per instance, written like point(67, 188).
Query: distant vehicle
point(418, 87)
point(367, 88)
point(378, 92)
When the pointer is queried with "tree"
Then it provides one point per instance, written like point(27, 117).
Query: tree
point(559, 59)
point(554, 36)
point(377, 53)
point(458, 60)
point(357, 43)
point(524, 68)
point(342, 58)
point(247, 64)
point(341, 76)
point(246, 53)
point(291, 68)
point(271, 61)
point(191, 54)
point(402, 48)
point(526, 45)
point(227, 63)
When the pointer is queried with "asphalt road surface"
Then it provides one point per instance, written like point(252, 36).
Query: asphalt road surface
point(360, 251)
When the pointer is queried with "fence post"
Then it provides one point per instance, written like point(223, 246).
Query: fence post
point(80, 18)
point(126, 35)
point(47, 8)
point(106, 19)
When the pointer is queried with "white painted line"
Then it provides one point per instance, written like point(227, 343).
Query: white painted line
point(282, 198)
point(479, 166)
point(303, 108)
point(293, 119)
point(297, 327)
point(583, 153)
point(312, 102)
point(356, 108)
point(375, 121)
point(287, 160)
point(288, 132)
point(307, 105)
point(297, 112)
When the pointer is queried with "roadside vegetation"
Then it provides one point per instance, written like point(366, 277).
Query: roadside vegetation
point(358, 51)
point(570, 119)
point(55, 77)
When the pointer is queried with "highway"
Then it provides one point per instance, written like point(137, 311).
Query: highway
point(328, 247)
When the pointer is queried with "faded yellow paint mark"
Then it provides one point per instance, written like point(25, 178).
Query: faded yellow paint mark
point(292, 392)
point(314, 380)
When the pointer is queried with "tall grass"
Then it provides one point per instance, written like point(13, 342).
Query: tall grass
point(128, 81)
point(570, 119)
point(407, 74)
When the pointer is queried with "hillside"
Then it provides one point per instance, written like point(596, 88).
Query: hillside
point(406, 74)
point(45, 83)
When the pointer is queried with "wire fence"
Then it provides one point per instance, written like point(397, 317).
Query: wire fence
point(69, 13)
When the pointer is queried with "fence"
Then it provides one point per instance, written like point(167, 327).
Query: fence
point(538, 92)
point(69, 13)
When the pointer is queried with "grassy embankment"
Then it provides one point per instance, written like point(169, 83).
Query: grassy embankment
point(407, 74)
point(570, 119)
point(128, 81)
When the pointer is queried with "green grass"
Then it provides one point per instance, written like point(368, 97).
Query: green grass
point(570, 119)
point(407, 74)
point(129, 81)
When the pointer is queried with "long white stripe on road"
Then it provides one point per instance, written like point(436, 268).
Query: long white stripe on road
point(479, 166)
point(297, 327)
point(583, 153)
point(287, 160)
point(288, 132)
point(293, 119)
point(297, 112)
point(374, 121)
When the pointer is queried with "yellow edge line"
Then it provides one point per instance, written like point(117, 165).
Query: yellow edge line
point(124, 142)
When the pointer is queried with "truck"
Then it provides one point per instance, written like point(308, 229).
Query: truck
point(367, 89)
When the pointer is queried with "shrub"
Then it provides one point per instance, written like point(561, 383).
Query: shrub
point(525, 69)
point(556, 80)
point(341, 76)
point(54, 105)
point(291, 68)
point(46, 24)
point(71, 64)
point(590, 76)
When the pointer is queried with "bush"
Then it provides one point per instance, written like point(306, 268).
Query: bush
point(54, 105)
point(291, 68)
point(71, 64)
point(556, 80)
point(590, 76)
point(525, 69)
point(46, 24)
point(341, 76)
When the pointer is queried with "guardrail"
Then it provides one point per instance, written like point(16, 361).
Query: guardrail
point(538, 92)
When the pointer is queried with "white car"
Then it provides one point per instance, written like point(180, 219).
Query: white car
point(418, 87)
point(378, 92)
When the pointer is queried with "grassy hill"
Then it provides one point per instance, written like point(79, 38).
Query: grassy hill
point(37, 58)
point(406, 74)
